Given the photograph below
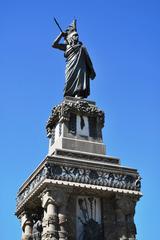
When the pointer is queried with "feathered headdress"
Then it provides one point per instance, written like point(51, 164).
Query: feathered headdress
point(72, 28)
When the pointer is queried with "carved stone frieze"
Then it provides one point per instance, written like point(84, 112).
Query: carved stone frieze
point(82, 175)
point(62, 111)
point(95, 177)
point(33, 184)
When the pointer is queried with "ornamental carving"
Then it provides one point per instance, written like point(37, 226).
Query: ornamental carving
point(81, 175)
point(52, 220)
point(61, 113)
point(96, 177)
point(89, 224)
point(50, 235)
point(33, 184)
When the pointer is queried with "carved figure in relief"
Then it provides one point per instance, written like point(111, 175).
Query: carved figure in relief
point(37, 227)
point(79, 68)
point(92, 230)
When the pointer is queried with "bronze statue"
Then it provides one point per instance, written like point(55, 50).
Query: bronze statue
point(79, 68)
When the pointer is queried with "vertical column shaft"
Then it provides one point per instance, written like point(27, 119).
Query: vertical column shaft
point(26, 224)
point(125, 210)
point(63, 234)
point(50, 220)
point(52, 217)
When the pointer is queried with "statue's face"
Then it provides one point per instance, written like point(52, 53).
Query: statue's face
point(73, 38)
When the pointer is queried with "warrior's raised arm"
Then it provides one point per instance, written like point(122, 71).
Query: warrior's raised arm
point(56, 44)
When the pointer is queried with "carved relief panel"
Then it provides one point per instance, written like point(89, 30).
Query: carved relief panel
point(88, 217)
point(82, 125)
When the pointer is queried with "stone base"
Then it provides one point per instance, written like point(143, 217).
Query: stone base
point(77, 145)
point(78, 192)
point(67, 176)
point(76, 125)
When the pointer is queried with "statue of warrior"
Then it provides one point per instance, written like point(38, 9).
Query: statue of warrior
point(79, 68)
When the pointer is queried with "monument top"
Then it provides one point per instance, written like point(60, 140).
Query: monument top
point(79, 69)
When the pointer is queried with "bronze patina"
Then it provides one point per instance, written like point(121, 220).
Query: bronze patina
point(79, 69)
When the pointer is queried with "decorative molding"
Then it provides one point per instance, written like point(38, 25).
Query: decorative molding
point(89, 176)
point(33, 184)
point(61, 113)
point(81, 175)
point(92, 157)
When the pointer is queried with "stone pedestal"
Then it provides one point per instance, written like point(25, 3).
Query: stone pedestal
point(78, 191)
point(76, 125)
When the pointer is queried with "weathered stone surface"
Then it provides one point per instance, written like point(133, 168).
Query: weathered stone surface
point(76, 106)
point(77, 169)
point(79, 124)
point(72, 170)
point(59, 222)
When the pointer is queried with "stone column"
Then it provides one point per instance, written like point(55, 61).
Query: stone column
point(26, 224)
point(131, 227)
point(125, 210)
point(50, 219)
point(109, 224)
point(62, 200)
point(121, 224)
point(63, 234)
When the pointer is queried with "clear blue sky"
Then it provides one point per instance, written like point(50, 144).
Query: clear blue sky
point(123, 39)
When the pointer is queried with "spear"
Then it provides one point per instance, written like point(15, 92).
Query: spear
point(58, 24)
point(60, 29)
